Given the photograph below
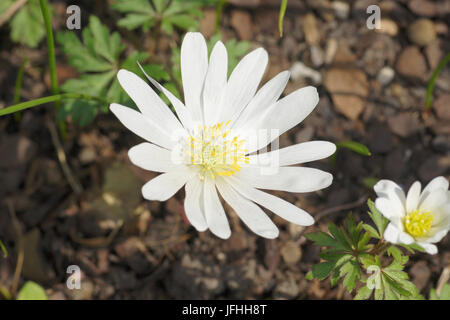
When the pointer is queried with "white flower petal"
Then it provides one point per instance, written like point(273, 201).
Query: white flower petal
point(166, 185)
point(280, 207)
point(387, 208)
point(282, 116)
point(291, 179)
point(194, 65)
point(413, 197)
point(436, 237)
point(142, 126)
point(435, 184)
point(434, 200)
point(405, 238)
point(429, 248)
point(215, 82)
point(242, 85)
point(194, 204)
point(148, 102)
point(150, 157)
point(391, 233)
point(215, 215)
point(295, 154)
point(390, 190)
point(179, 107)
point(249, 212)
point(265, 97)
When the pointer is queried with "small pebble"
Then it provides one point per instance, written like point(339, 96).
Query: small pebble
point(386, 75)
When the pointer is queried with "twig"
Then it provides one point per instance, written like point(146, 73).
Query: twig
point(342, 207)
point(75, 185)
point(11, 11)
point(20, 255)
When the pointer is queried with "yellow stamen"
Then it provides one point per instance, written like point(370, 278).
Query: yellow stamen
point(418, 223)
point(216, 154)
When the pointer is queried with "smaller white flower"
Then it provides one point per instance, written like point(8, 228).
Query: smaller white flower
point(419, 217)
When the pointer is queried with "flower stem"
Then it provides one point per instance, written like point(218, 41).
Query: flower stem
point(54, 98)
point(18, 87)
point(52, 60)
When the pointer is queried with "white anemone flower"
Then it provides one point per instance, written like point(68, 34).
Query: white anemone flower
point(207, 146)
point(419, 217)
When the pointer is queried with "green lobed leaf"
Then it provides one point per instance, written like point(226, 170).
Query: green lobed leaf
point(363, 293)
point(27, 25)
point(97, 58)
point(32, 291)
point(323, 269)
point(395, 252)
point(380, 221)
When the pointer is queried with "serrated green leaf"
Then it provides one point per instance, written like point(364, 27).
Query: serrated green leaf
point(309, 275)
point(132, 6)
point(380, 221)
point(27, 25)
point(362, 244)
point(363, 293)
point(335, 278)
point(31, 291)
point(339, 236)
point(323, 270)
point(321, 239)
point(395, 252)
point(352, 271)
point(97, 58)
point(135, 20)
point(371, 230)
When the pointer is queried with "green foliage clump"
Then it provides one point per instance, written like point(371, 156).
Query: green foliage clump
point(97, 59)
point(350, 256)
point(167, 14)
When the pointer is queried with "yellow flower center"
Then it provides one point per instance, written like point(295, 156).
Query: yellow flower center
point(418, 223)
point(217, 154)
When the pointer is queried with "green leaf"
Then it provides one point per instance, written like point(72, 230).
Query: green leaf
point(431, 82)
point(27, 25)
point(352, 271)
point(395, 252)
point(355, 147)
point(31, 291)
point(169, 14)
point(97, 59)
point(136, 20)
point(283, 7)
point(371, 230)
point(323, 270)
point(321, 239)
point(3, 248)
point(445, 292)
point(362, 244)
point(380, 221)
point(363, 293)
point(339, 236)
